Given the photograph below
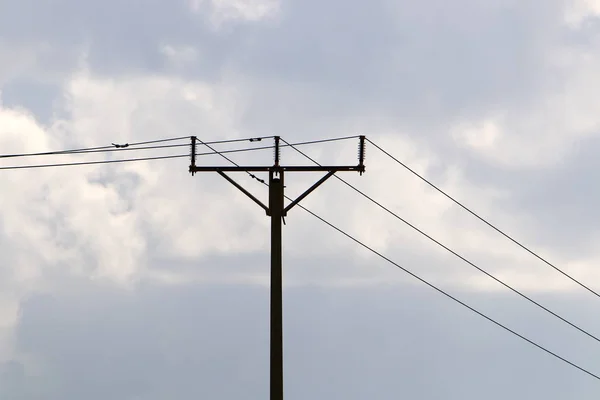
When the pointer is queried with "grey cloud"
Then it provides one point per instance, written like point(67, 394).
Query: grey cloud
point(410, 61)
point(37, 97)
point(118, 36)
point(560, 200)
point(212, 341)
point(315, 73)
point(415, 66)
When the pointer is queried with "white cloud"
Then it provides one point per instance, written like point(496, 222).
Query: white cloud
point(578, 11)
point(179, 56)
point(550, 128)
point(109, 221)
point(222, 11)
point(130, 223)
point(18, 60)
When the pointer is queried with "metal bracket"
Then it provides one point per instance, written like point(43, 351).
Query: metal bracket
point(247, 193)
point(308, 191)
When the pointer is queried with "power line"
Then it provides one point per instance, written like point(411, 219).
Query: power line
point(129, 159)
point(208, 144)
point(160, 140)
point(128, 147)
point(111, 148)
point(522, 246)
point(339, 230)
point(506, 285)
point(422, 280)
point(320, 141)
point(133, 146)
point(103, 149)
point(286, 144)
point(448, 295)
point(91, 162)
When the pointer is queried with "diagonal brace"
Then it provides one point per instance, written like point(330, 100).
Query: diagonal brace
point(308, 191)
point(247, 193)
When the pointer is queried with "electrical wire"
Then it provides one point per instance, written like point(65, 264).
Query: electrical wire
point(160, 140)
point(91, 162)
point(110, 149)
point(129, 147)
point(132, 146)
point(103, 149)
point(462, 258)
point(321, 141)
point(453, 298)
point(207, 144)
point(441, 291)
point(506, 235)
point(531, 342)
point(12, 167)
point(231, 161)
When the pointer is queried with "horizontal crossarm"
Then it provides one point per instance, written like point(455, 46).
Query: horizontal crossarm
point(292, 168)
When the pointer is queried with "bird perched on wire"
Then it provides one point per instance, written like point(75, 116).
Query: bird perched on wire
point(120, 146)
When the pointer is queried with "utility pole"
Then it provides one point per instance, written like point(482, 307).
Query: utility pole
point(277, 211)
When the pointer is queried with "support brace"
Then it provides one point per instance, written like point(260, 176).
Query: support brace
point(247, 193)
point(308, 191)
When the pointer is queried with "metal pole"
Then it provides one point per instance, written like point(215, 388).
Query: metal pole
point(276, 212)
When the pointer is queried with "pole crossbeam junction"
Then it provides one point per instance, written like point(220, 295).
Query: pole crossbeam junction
point(276, 210)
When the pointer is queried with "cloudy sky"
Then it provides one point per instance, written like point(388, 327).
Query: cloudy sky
point(139, 281)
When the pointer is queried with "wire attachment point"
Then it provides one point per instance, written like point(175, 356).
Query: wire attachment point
point(361, 154)
point(277, 151)
point(193, 154)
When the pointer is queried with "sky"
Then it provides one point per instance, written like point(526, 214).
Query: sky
point(139, 281)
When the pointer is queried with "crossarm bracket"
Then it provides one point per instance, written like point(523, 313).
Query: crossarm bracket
point(247, 193)
point(308, 191)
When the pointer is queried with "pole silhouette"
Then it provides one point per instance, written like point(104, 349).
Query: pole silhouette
point(277, 211)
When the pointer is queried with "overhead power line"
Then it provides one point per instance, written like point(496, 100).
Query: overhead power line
point(129, 159)
point(529, 341)
point(129, 147)
point(451, 297)
point(432, 286)
point(137, 146)
point(103, 149)
point(251, 175)
point(462, 258)
point(92, 162)
point(506, 235)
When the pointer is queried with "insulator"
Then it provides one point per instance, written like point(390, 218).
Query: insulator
point(361, 153)
point(361, 150)
point(277, 151)
point(193, 153)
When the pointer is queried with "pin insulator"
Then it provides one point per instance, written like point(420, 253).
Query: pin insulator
point(361, 154)
point(276, 150)
point(193, 154)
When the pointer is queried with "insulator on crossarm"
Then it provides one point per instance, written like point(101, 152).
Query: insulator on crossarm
point(193, 154)
point(277, 151)
point(361, 154)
